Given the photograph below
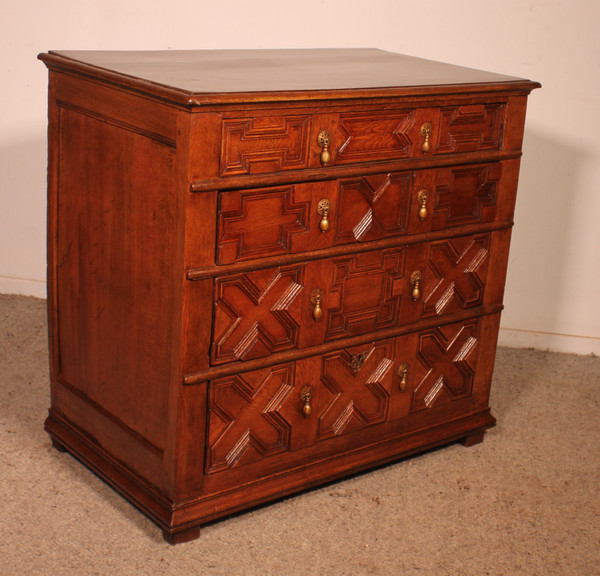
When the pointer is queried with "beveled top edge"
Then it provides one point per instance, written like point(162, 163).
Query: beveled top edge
point(197, 77)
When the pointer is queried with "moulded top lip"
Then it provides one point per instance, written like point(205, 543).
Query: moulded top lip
point(196, 77)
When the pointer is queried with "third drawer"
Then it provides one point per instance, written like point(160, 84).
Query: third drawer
point(261, 312)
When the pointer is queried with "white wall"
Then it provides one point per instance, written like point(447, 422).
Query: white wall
point(552, 298)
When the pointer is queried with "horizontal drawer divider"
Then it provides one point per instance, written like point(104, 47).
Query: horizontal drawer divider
point(349, 170)
point(343, 250)
point(238, 367)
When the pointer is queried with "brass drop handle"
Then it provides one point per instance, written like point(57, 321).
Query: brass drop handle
point(415, 282)
point(426, 133)
point(324, 140)
point(306, 397)
point(316, 297)
point(422, 199)
point(403, 375)
point(323, 210)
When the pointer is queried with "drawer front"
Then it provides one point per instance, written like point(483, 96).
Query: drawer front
point(259, 142)
point(262, 421)
point(302, 217)
point(361, 293)
point(262, 312)
point(250, 417)
point(371, 208)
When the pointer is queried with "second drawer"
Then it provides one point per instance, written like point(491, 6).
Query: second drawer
point(301, 217)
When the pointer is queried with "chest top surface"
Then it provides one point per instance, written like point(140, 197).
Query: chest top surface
point(195, 77)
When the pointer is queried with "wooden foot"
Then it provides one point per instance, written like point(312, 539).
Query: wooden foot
point(58, 446)
point(473, 439)
point(183, 536)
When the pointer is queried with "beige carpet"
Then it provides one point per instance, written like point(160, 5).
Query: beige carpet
point(524, 502)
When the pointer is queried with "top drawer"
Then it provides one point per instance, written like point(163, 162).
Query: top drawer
point(261, 142)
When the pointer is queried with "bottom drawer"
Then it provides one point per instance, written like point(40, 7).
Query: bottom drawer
point(265, 421)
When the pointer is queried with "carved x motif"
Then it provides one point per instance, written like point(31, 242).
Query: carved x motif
point(447, 354)
point(245, 423)
point(457, 274)
point(253, 309)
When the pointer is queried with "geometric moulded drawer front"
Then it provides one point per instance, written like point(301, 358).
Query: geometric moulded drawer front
point(257, 415)
point(465, 195)
point(289, 219)
point(256, 418)
point(374, 136)
point(245, 419)
point(261, 312)
point(372, 207)
point(262, 222)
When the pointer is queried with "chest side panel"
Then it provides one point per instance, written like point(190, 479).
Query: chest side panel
point(116, 241)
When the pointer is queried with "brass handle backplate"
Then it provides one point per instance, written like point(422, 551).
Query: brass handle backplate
point(316, 297)
point(426, 133)
point(324, 140)
point(415, 282)
point(403, 375)
point(323, 210)
point(306, 397)
point(422, 199)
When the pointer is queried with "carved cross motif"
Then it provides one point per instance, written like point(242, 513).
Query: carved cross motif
point(356, 399)
point(256, 313)
point(456, 274)
point(467, 195)
point(447, 353)
point(257, 222)
point(245, 422)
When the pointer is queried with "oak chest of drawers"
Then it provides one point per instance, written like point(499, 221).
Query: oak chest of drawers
point(271, 269)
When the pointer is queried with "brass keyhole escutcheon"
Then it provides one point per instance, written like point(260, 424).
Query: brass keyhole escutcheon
point(426, 133)
point(316, 297)
point(357, 360)
point(415, 282)
point(323, 210)
point(422, 199)
point(403, 375)
point(324, 141)
point(306, 397)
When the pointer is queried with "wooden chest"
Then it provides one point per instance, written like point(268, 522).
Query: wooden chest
point(271, 269)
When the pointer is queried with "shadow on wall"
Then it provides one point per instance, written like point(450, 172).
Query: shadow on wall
point(23, 217)
point(537, 289)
